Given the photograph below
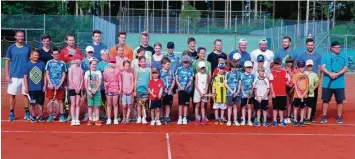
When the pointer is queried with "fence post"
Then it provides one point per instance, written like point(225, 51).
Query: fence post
point(235, 24)
point(139, 24)
point(26, 35)
point(208, 24)
point(188, 25)
point(264, 25)
point(44, 23)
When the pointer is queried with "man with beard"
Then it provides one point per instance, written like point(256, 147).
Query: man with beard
point(262, 50)
point(286, 51)
point(242, 50)
point(148, 50)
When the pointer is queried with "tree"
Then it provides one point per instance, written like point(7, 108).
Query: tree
point(189, 17)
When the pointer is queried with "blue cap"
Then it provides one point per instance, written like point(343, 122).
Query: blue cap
point(260, 58)
point(221, 65)
point(301, 63)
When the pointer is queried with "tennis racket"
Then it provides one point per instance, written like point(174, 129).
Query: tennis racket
point(33, 104)
point(53, 105)
point(302, 84)
point(209, 95)
point(261, 89)
point(336, 65)
point(143, 98)
point(66, 103)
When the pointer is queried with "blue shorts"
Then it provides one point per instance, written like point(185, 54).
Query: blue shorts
point(233, 100)
point(327, 94)
point(155, 104)
point(126, 99)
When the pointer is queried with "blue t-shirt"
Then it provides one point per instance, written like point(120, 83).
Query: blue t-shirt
point(316, 57)
point(174, 60)
point(97, 50)
point(168, 79)
point(245, 56)
point(55, 70)
point(85, 65)
point(247, 83)
point(18, 56)
point(283, 55)
point(35, 75)
point(338, 82)
point(102, 66)
point(184, 76)
point(233, 79)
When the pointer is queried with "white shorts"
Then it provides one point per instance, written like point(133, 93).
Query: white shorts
point(197, 98)
point(15, 85)
point(219, 106)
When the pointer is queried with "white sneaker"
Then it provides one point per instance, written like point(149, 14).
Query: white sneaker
point(72, 123)
point(236, 123)
point(152, 122)
point(115, 121)
point(250, 123)
point(77, 122)
point(86, 117)
point(242, 123)
point(184, 121)
point(288, 120)
point(158, 122)
point(108, 122)
point(179, 121)
point(139, 120)
point(229, 123)
point(144, 121)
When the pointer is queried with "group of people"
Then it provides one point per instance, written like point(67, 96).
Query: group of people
point(121, 77)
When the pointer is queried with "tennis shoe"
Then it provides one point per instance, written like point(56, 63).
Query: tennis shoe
point(256, 123)
point(50, 118)
point(283, 124)
point(108, 122)
point(179, 121)
point(40, 118)
point(340, 120)
point(266, 124)
point(69, 118)
point(158, 122)
point(62, 118)
point(274, 124)
point(98, 123)
point(229, 123)
point(184, 121)
point(33, 119)
point(250, 123)
point(221, 122)
point(139, 120)
point(144, 121)
point(236, 123)
point(295, 124)
point(86, 117)
point(12, 116)
point(324, 119)
point(73, 123)
point(302, 124)
point(152, 123)
point(90, 123)
point(204, 122)
point(115, 122)
point(242, 123)
point(27, 116)
point(77, 122)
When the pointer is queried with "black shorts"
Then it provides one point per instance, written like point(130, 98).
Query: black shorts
point(71, 92)
point(279, 103)
point(37, 97)
point(311, 102)
point(245, 100)
point(297, 103)
point(261, 106)
point(167, 100)
point(327, 94)
point(184, 98)
point(103, 97)
point(155, 104)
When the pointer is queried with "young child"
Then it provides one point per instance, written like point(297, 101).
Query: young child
point(237, 59)
point(55, 73)
point(216, 70)
point(183, 76)
point(220, 99)
point(35, 85)
point(127, 84)
point(86, 67)
point(261, 103)
point(261, 60)
point(75, 81)
point(298, 96)
point(232, 82)
point(135, 62)
point(290, 70)
point(141, 77)
point(201, 87)
point(120, 58)
point(68, 64)
point(112, 78)
point(167, 76)
point(278, 82)
point(313, 84)
point(92, 85)
point(102, 66)
point(156, 87)
point(246, 86)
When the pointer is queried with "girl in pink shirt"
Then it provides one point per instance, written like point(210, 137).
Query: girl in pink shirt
point(127, 83)
point(112, 80)
point(76, 80)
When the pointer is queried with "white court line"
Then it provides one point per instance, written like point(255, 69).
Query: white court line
point(182, 133)
point(168, 145)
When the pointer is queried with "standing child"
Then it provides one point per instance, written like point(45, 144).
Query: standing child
point(120, 58)
point(92, 85)
point(299, 98)
point(55, 73)
point(201, 87)
point(86, 67)
point(232, 82)
point(35, 84)
point(290, 70)
point(313, 84)
point(221, 92)
point(167, 76)
point(141, 77)
point(156, 87)
point(246, 86)
point(261, 102)
point(127, 84)
point(112, 88)
point(102, 66)
point(76, 80)
point(184, 75)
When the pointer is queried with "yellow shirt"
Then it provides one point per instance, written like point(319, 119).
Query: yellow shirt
point(220, 89)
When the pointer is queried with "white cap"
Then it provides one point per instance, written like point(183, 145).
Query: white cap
point(93, 59)
point(309, 62)
point(201, 64)
point(237, 56)
point(248, 64)
point(262, 40)
point(89, 49)
point(243, 40)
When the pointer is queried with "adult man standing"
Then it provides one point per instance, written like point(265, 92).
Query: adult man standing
point(71, 47)
point(45, 53)
point(217, 52)
point(17, 56)
point(286, 51)
point(122, 41)
point(97, 44)
point(262, 50)
point(333, 82)
point(242, 50)
point(148, 50)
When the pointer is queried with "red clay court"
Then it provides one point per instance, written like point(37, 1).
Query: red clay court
point(23, 139)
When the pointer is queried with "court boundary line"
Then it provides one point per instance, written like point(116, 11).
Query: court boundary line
point(168, 145)
point(181, 133)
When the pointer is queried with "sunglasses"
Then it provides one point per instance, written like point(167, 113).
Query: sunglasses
point(186, 62)
point(155, 72)
point(90, 52)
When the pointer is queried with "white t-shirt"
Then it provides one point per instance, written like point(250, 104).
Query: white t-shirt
point(255, 85)
point(95, 77)
point(268, 54)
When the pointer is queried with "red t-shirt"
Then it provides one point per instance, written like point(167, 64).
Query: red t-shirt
point(279, 79)
point(155, 87)
point(64, 54)
point(216, 71)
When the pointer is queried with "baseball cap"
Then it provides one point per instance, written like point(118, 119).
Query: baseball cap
point(156, 70)
point(278, 61)
point(112, 60)
point(201, 64)
point(170, 44)
point(89, 49)
point(221, 65)
point(77, 57)
point(260, 58)
point(301, 63)
point(93, 59)
point(309, 62)
point(237, 56)
point(185, 58)
point(248, 64)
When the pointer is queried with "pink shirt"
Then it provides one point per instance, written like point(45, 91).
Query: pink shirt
point(75, 77)
point(119, 62)
point(112, 79)
point(127, 81)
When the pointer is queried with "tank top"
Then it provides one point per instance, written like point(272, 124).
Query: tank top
point(201, 83)
point(156, 64)
point(143, 80)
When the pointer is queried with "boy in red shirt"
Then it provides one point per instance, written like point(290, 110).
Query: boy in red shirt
point(155, 88)
point(278, 82)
